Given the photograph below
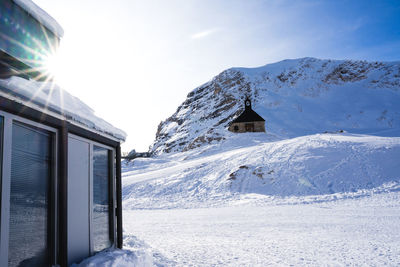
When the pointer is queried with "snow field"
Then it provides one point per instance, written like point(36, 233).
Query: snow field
point(351, 232)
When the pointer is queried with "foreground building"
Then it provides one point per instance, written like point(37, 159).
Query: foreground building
point(248, 121)
point(60, 172)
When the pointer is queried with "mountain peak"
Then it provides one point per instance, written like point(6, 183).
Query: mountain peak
point(295, 96)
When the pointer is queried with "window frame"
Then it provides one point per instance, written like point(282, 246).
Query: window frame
point(8, 121)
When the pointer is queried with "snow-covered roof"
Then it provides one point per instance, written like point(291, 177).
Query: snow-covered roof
point(42, 16)
point(51, 99)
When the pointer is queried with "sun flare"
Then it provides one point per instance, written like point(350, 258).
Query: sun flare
point(52, 65)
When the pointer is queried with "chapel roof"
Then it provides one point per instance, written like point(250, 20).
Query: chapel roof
point(248, 115)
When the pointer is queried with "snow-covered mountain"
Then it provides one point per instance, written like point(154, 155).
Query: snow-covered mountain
point(332, 131)
point(261, 199)
point(296, 98)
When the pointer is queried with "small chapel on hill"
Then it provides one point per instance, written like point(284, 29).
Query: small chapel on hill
point(248, 121)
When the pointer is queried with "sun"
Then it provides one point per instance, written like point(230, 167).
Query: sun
point(52, 65)
point(58, 66)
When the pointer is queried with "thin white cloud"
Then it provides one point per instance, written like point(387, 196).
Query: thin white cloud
point(205, 33)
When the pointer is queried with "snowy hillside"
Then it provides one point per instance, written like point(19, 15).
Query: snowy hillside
point(295, 97)
point(256, 200)
point(236, 170)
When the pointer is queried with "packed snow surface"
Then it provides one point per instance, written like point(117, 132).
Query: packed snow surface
point(256, 200)
point(49, 98)
point(349, 232)
point(42, 16)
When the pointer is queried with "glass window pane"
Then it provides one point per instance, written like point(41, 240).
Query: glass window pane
point(101, 214)
point(30, 175)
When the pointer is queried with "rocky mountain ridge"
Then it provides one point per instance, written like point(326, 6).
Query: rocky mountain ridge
point(296, 97)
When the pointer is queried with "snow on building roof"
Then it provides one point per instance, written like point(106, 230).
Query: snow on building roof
point(49, 98)
point(42, 16)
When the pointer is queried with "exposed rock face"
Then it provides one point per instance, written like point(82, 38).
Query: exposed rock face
point(295, 97)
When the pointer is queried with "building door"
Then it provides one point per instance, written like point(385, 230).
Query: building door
point(78, 199)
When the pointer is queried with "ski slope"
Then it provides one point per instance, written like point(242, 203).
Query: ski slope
point(253, 167)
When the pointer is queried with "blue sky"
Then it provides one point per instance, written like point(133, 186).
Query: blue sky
point(135, 61)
